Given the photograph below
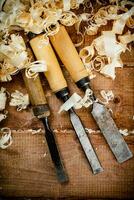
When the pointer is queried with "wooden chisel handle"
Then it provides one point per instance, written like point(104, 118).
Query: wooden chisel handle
point(44, 51)
point(68, 54)
point(37, 96)
point(35, 90)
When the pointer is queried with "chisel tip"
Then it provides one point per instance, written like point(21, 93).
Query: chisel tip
point(61, 175)
point(98, 170)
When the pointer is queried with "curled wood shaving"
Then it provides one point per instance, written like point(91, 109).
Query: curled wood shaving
point(7, 70)
point(107, 96)
point(76, 3)
point(68, 18)
point(2, 116)
point(89, 130)
point(82, 40)
point(126, 2)
point(87, 52)
point(77, 101)
point(34, 131)
point(34, 68)
point(98, 62)
point(70, 102)
point(126, 38)
point(130, 22)
point(6, 139)
point(119, 24)
point(82, 17)
point(92, 30)
point(126, 132)
point(99, 45)
point(109, 69)
point(66, 5)
point(86, 101)
point(3, 98)
point(20, 100)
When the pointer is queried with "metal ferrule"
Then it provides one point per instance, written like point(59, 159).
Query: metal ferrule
point(63, 94)
point(83, 83)
point(41, 111)
point(31, 35)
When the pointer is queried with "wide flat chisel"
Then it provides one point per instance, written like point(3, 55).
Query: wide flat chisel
point(41, 110)
point(71, 60)
point(58, 85)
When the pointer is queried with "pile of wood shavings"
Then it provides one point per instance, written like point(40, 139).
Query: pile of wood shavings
point(103, 55)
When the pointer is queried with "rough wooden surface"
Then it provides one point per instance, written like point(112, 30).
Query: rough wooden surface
point(26, 169)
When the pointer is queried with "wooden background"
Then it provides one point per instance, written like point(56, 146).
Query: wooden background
point(26, 169)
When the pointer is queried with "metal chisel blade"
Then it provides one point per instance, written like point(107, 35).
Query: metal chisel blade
point(54, 152)
point(85, 143)
point(111, 133)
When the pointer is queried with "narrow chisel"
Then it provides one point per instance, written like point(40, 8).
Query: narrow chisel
point(58, 84)
point(41, 111)
point(71, 60)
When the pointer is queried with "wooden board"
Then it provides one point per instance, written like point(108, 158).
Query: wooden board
point(26, 169)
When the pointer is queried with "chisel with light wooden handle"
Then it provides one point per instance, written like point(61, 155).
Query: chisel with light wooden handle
point(71, 60)
point(41, 110)
point(58, 84)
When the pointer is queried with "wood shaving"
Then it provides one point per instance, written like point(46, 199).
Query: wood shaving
point(87, 52)
point(45, 154)
point(98, 63)
point(120, 23)
point(130, 22)
point(70, 102)
point(107, 96)
point(3, 98)
point(40, 15)
point(108, 57)
point(35, 131)
point(66, 5)
point(68, 18)
point(126, 132)
point(109, 69)
point(19, 100)
point(2, 116)
point(6, 138)
point(77, 101)
point(82, 40)
point(89, 130)
point(126, 38)
point(34, 68)
point(86, 101)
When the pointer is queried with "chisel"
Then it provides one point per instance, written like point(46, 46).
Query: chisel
point(71, 60)
point(41, 111)
point(58, 85)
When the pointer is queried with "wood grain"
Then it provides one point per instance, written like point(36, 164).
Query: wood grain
point(26, 169)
